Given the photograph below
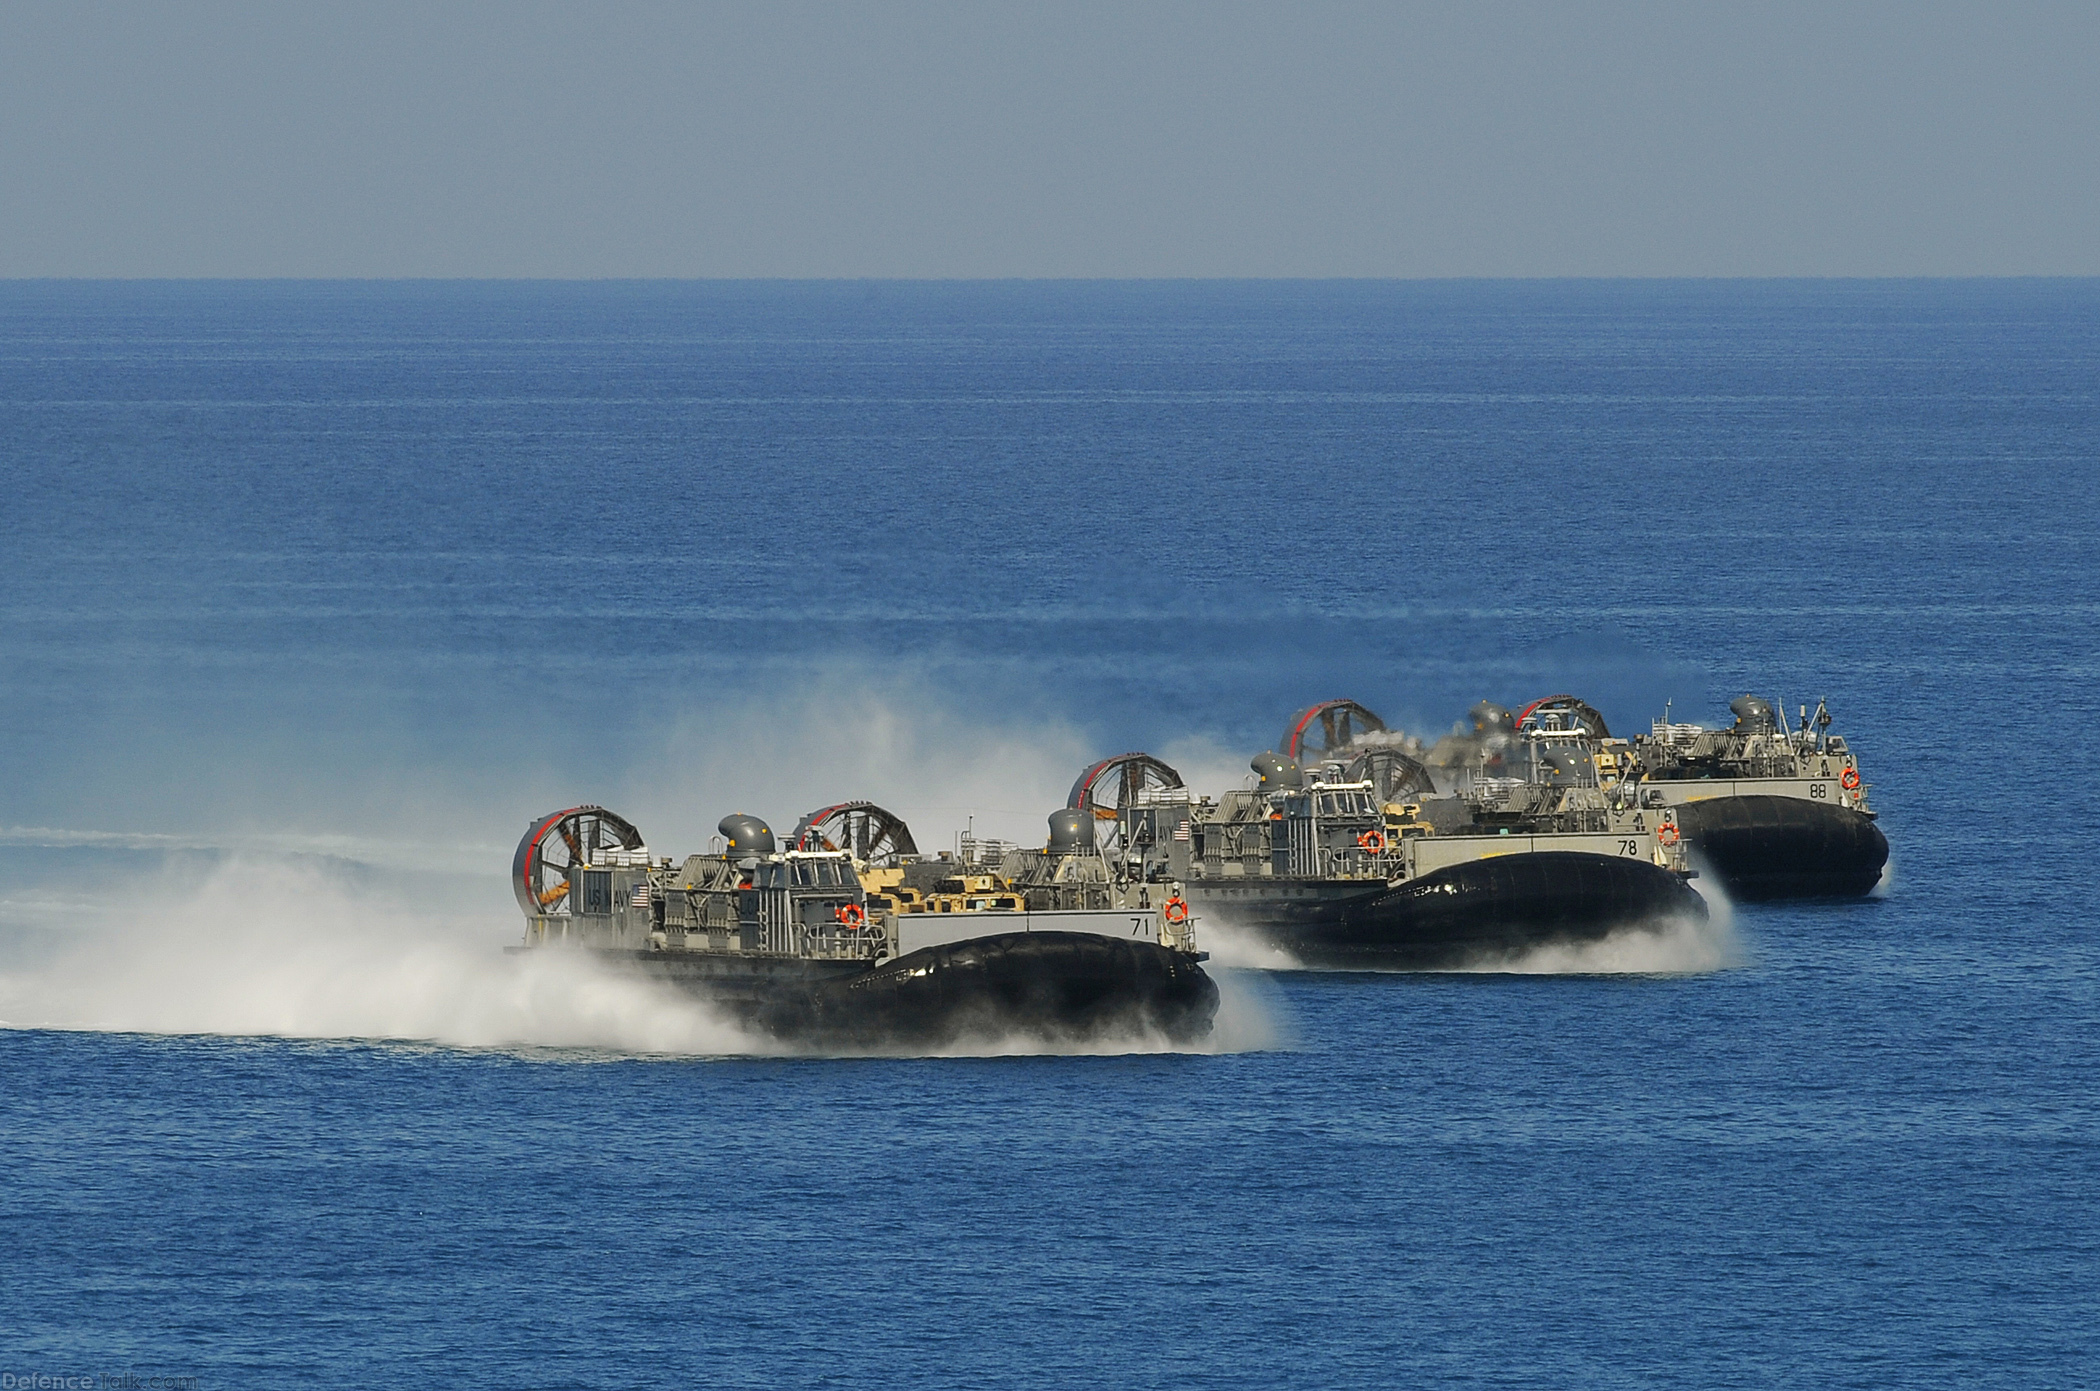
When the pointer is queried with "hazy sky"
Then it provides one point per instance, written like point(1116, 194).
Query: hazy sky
point(1044, 139)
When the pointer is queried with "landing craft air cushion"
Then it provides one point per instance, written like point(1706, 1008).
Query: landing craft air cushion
point(829, 945)
point(1361, 861)
point(1773, 813)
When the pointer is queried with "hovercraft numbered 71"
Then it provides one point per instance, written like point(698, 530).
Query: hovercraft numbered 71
point(846, 937)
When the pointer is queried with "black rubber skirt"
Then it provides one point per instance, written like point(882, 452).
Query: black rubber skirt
point(1491, 908)
point(1785, 847)
point(1054, 986)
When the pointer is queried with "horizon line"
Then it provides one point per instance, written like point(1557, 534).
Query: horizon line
point(1024, 279)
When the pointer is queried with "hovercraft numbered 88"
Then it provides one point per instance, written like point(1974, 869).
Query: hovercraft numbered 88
point(1773, 812)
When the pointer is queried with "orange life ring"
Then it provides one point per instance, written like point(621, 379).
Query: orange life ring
point(852, 915)
point(1176, 910)
point(1373, 841)
point(1667, 833)
point(1850, 779)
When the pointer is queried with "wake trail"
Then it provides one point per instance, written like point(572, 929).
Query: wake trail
point(1669, 947)
point(270, 949)
point(1673, 946)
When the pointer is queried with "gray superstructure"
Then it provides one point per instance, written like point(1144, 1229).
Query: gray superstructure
point(1371, 858)
point(1772, 812)
point(809, 941)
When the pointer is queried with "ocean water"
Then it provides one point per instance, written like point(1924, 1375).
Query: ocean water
point(311, 594)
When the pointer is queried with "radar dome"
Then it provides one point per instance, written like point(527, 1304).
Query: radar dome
point(1071, 831)
point(1277, 772)
point(1753, 715)
point(747, 835)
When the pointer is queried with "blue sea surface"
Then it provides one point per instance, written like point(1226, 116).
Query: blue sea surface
point(312, 593)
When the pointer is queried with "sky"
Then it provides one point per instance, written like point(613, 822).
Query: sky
point(1049, 140)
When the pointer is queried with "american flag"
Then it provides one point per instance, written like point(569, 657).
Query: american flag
point(1181, 830)
point(640, 897)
